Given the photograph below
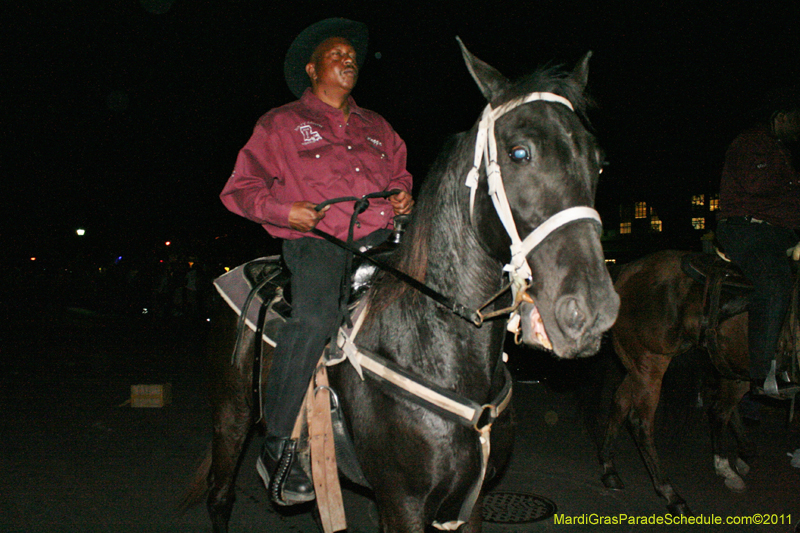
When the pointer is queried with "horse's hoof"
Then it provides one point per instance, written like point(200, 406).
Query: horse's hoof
point(735, 484)
point(612, 481)
point(679, 509)
point(742, 467)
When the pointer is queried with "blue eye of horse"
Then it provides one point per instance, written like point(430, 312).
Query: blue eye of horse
point(519, 153)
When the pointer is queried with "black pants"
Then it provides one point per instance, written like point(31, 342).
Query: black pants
point(316, 268)
point(760, 251)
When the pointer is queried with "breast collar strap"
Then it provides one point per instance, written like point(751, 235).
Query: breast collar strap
point(420, 390)
point(466, 412)
point(518, 269)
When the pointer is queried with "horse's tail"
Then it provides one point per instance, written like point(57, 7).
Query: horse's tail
point(198, 487)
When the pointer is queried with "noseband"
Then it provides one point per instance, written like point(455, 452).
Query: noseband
point(518, 269)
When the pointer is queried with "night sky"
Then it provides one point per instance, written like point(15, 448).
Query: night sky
point(126, 116)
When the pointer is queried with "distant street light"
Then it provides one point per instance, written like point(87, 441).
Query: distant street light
point(81, 232)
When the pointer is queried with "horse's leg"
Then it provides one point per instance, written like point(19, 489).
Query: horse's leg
point(620, 409)
point(645, 395)
point(410, 519)
point(721, 414)
point(619, 413)
point(745, 447)
point(400, 514)
point(400, 496)
point(232, 417)
point(475, 523)
point(231, 428)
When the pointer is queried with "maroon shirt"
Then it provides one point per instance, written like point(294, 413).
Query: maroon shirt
point(305, 151)
point(758, 180)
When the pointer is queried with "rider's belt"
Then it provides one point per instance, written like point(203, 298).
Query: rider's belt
point(743, 219)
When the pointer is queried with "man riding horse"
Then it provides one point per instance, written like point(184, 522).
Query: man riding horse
point(319, 147)
point(759, 213)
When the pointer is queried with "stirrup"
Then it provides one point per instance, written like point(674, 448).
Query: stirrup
point(771, 383)
point(772, 390)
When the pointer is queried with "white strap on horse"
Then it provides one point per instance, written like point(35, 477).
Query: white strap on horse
point(466, 410)
point(518, 269)
point(345, 340)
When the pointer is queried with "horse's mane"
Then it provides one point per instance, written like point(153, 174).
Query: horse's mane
point(411, 256)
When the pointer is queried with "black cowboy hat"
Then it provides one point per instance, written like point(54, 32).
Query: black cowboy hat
point(294, 68)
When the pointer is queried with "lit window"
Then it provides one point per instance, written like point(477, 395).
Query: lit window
point(624, 227)
point(640, 211)
point(699, 223)
point(713, 203)
point(698, 200)
point(655, 223)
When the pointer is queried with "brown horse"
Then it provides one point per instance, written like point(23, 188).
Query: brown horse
point(661, 309)
point(423, 465)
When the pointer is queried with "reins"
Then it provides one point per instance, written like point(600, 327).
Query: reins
point(472, 315)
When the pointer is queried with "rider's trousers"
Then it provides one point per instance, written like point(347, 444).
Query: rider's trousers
point(316, 268)
point(760, 251)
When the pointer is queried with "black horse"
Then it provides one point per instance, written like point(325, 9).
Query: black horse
point(421, 464)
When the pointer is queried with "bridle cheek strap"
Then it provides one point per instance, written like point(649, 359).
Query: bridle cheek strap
point(485, 143)
point(486, 152)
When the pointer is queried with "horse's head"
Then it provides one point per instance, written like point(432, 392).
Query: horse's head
point(540, 166)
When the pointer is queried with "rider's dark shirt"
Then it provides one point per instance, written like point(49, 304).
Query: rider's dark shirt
point(306, 151)
point(758, 180)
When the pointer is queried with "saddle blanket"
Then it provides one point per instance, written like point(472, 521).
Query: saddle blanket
point(236, 288)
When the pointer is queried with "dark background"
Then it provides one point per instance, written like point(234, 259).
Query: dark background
point(125, 116)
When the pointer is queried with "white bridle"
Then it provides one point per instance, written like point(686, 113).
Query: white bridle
point(519, 271)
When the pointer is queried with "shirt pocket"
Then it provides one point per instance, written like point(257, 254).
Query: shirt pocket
point(378, 162)
point(318, 164)
point(376, 149)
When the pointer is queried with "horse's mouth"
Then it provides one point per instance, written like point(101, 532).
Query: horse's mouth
point(533, 330)
point(534, 334)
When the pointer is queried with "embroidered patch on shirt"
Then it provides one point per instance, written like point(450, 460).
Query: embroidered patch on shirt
point(375, 142)
point(310, 135)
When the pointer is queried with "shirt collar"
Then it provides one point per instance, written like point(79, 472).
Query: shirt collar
point(310, 100)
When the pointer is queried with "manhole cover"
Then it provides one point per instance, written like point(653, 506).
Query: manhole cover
point(516, 508)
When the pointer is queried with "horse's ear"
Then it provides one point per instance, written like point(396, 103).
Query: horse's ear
point(581, 72)
point(488, 78)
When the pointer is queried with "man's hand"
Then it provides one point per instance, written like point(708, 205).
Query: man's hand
point(303, 217)
point(402, 203)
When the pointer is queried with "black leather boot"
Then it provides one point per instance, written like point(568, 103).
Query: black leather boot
point(280, 470)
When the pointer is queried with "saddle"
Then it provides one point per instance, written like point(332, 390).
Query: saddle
point(260, 293)
point(264, 283)
point(725, 290)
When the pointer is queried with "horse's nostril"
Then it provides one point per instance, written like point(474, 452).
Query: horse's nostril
point(575, 315)
point(572, 317)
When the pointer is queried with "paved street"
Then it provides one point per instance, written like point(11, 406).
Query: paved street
point(78, 458)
